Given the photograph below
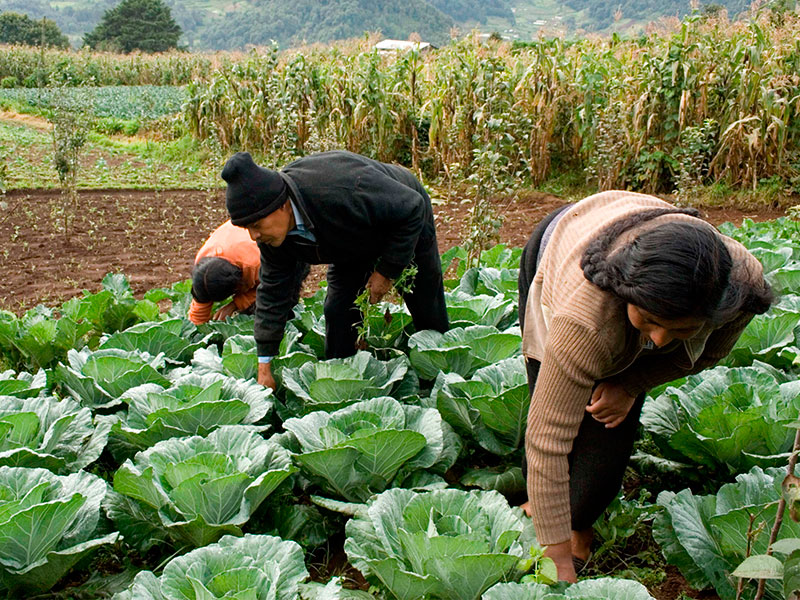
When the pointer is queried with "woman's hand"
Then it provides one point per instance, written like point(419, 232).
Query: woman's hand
point(224, 312)
point(562, 556)
point(610, 404)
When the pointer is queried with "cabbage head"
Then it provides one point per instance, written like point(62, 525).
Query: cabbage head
point(47, 524)
point(23, 384)
point(51, 434)
point(194, 490)
point(461, 350)
point(364, 448)
point(725, 420)
point(335, 383)
point(440, 544)
point(175, 339)
point(98, 379)
point(252, 567)
point(193, 405)
point(490, 408)
point(604, 588)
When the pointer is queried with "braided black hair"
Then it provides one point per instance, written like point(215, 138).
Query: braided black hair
point(678, 269)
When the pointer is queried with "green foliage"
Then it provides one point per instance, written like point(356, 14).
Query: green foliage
point(193, 405)
point(264, 567)
point(591, 589)
point(193, 490)
point(441, 544)
point(724, 420)
point(47, 433)
point(50, 523)
point(18, 28)
point(707, 537)
point(364, 448)
point(144, 25)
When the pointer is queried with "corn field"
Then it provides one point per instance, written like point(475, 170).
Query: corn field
point(712, 95)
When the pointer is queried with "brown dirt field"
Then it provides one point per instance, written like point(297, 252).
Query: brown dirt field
point(152, 236)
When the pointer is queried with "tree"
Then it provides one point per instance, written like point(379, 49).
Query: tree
point(145, 25)
point(16, 28)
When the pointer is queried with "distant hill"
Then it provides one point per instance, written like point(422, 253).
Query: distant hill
point(235, 24)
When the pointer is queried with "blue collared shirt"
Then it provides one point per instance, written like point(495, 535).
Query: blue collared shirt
point(300, 225)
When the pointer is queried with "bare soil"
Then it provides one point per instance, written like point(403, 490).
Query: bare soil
point(152, 236)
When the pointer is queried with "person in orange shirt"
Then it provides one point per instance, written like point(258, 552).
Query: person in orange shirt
point(226, 265)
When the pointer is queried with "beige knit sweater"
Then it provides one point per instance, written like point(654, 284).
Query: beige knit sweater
point(581, 335)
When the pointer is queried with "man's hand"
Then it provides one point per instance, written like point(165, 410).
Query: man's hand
point(224, 312)
point(378, 286)
point(265, 377)
point(562, 556)
point(610, 404)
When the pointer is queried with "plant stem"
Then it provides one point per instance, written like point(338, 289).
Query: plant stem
point(779, 515)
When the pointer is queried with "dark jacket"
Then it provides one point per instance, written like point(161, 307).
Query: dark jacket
point(362, 212)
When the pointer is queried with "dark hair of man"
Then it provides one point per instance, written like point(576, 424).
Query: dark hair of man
point(214, 279)
point(675, 270)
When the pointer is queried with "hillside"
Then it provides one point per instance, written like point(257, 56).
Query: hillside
point(227, 25)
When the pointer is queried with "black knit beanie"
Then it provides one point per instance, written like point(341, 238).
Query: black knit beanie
point(253, 191)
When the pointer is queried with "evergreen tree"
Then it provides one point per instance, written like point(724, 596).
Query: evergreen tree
point(145, 25)
point(16, 28)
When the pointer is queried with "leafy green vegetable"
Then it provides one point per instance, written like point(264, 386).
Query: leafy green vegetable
point(706, 537)
point(47, 524)
point(98, 379)
point(196, 489)
point(465, 309)
point(461, 350)
point(335, 383)
point(364, 448)
point(22, 385)
point(440, 544)
point(604, 588)
point(257, 567)
point(490, 408)
point(193, 405)
point(724, 419)
point(48, 433)
point(170, 338)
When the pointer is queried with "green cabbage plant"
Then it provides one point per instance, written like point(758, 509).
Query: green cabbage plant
point(604, 588)
point(47, 524)
point(98, 379)
point(490, 408)
point(174, 339)
point(23, 384)
point(252, 567)
point(193, 405)
point(490, 281)
point(461, 350)
point(465, 309)
point(725, 420)
point(194, 490)
point(335, 383)
point(368, 446)
point(439, 544)
point(707, 537)
point(239, 358)
point(51, 434)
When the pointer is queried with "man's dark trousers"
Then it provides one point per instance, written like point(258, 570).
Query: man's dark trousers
point(425, 301)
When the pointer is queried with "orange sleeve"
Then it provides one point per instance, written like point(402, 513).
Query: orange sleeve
point(200, 312)
point(245, 299)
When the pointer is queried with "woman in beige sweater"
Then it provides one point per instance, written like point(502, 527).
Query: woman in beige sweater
point(619, 293)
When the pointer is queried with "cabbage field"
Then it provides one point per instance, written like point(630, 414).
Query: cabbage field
point(140, 460)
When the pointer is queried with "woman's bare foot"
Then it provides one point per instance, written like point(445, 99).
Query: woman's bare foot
point(581, 542)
